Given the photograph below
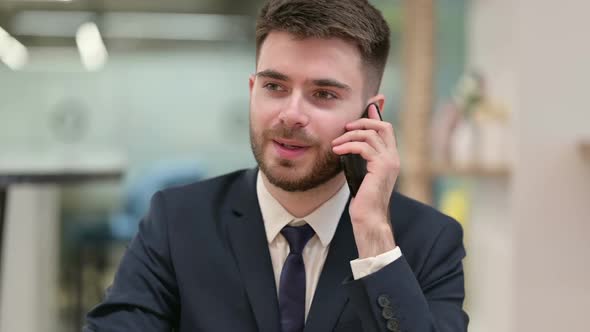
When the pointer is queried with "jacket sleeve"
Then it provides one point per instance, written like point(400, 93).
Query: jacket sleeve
point(144, 295)
point(395, 299)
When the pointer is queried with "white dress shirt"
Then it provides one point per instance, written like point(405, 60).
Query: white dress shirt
point(324, 221)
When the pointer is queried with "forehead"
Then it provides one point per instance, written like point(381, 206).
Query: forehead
point(314, 57)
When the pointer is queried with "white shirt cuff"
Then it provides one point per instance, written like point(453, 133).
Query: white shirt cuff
point(363, 267)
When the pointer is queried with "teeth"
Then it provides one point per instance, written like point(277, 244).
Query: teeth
point(289, 146)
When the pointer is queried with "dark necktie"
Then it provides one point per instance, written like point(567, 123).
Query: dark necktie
point(292, 283)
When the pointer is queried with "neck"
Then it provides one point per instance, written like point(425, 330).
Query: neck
point(302, 203)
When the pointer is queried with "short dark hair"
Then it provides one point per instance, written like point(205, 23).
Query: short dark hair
point(352, 20)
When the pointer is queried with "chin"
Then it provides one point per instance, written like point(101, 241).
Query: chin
point(311, 170)
point(289, 170)
point(298, 178)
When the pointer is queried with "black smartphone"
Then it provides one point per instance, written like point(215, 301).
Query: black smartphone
point(355, 167)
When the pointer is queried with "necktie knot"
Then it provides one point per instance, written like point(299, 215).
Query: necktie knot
point(297, 237)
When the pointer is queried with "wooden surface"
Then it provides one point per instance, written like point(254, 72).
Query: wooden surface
point(471, 171)
point(585, 149)
point(60, 166)
point(418, 48)
point(7, 179)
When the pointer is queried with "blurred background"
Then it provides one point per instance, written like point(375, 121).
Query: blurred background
point(104, 102)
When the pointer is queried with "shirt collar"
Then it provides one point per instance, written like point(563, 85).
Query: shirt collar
point(323, 220)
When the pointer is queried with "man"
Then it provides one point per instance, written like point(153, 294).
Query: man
point(283, 247)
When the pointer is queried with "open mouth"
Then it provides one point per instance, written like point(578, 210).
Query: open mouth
point(289, 151)
point(288, 146)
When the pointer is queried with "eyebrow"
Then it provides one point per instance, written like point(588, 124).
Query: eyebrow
point(269, 73)
point(326, 82)
point(322, 82)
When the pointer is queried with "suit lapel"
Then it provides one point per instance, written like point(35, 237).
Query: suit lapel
point(330, 296)
point(250, 247)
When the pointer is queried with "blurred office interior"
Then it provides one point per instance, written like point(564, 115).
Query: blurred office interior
point(102, 103)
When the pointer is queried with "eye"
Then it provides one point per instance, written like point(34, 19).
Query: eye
point(273, 87)
point(325, 95)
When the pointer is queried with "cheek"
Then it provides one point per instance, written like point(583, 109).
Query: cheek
point(330, 127)
point(260, 116)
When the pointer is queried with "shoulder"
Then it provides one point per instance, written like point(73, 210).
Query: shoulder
point(207, 201)
point(207, 190)
point(409, 210)
point(418, 227)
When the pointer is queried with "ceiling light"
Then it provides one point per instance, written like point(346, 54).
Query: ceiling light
point(93, 53)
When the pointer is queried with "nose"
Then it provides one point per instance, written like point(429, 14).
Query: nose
point(293, 115)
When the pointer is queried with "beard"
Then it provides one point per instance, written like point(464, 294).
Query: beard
point(286, 174)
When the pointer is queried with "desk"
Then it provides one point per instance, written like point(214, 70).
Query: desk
point(29, 232)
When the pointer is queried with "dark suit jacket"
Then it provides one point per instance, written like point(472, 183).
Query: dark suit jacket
point(200, 262)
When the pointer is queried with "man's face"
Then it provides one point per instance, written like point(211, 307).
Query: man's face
point(301, 97)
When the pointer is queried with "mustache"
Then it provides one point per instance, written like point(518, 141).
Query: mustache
point(290, 133)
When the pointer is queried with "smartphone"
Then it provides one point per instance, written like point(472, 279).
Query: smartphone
point(354, 166)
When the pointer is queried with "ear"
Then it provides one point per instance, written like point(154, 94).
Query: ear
point(379, 100)
point(251, 81)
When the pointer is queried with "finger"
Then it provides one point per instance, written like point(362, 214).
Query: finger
point(374, 112)
point(369, 136)
point(383, 128)
point(365, 150)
